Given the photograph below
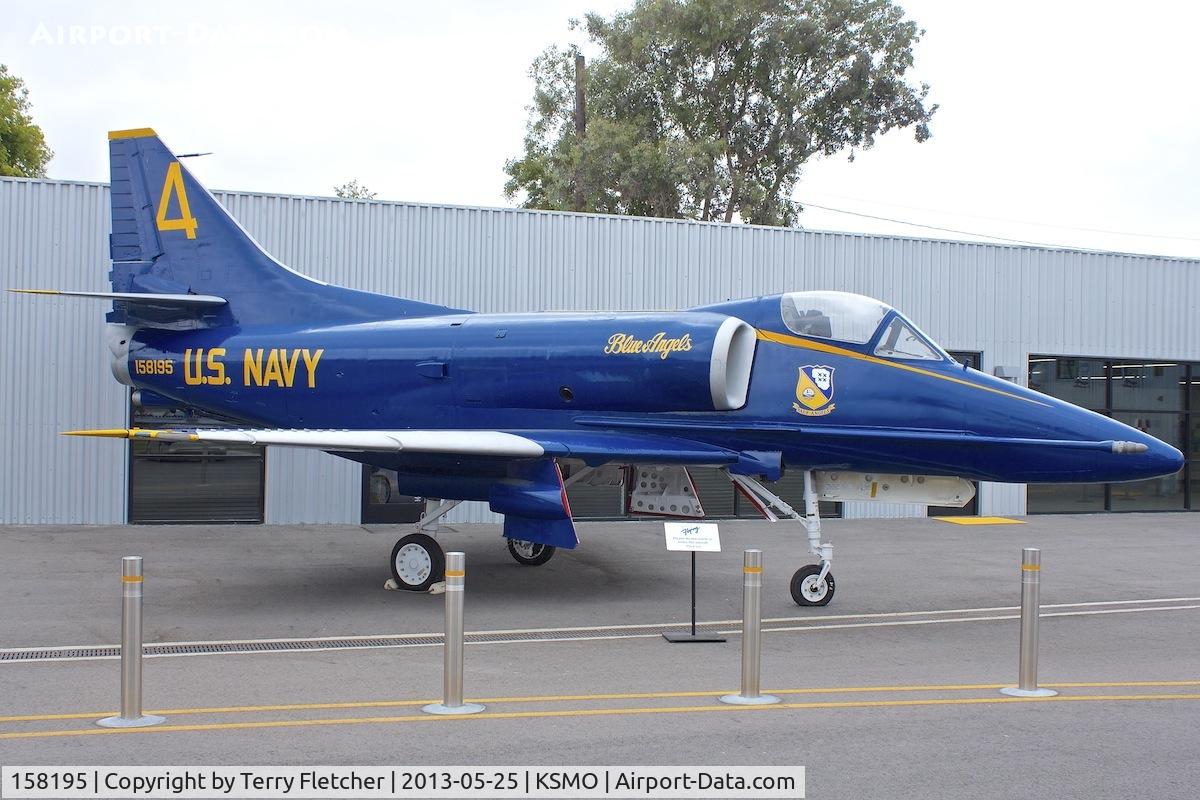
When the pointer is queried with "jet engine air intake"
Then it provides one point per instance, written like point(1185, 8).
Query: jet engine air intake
point(729, 369)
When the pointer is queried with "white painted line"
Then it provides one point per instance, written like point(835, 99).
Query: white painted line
point(970, 619)
point(401, 637)
point(609, 637)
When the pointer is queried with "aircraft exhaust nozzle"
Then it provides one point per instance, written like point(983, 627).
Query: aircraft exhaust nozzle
point(118, 338)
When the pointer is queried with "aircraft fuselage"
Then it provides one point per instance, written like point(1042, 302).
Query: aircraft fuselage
point(643, 372)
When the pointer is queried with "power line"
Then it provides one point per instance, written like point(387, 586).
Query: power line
point(1014, 221)
point(948, 230)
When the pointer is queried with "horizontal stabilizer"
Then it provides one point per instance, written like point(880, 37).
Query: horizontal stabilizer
point(186, 301)
point(479, 443)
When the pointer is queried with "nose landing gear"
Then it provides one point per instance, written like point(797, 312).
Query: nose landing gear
point(809, 588)
point(811, 585)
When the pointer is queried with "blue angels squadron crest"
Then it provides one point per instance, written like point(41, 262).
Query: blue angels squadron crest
point(814, 391)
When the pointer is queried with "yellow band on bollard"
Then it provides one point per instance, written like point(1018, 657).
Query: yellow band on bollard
point(1031, 568)
point(455, 573)
point(752, 570)
point(131, 579)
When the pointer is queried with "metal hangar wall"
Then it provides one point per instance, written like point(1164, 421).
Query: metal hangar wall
point(1023, 309)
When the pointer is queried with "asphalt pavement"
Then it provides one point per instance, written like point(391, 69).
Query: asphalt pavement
point(890, 691)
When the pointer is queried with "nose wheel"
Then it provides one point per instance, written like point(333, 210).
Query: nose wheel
point(809, 588)
point(812, 585)
point(530, 554)
point(418, 562)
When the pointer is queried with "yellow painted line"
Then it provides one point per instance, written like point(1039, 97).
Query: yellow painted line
point(820, 347)
point(594, 712)
point(562, 698)
point(131, 133)
point(981, 520)
point(131, 579)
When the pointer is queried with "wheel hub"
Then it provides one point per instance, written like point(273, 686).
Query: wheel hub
point(413, 564)
point(813, 588)
point(526, 548)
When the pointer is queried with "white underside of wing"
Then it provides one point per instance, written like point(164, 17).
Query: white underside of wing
point(483, 443)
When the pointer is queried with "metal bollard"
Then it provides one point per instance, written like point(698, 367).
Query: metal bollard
point(751, 635)
point(1031, 581)
point(452, 678)
point(131, 715)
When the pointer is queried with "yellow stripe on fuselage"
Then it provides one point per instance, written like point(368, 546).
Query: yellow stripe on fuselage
point(821, 347)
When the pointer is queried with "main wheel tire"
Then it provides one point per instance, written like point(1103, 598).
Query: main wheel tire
point(530, 554)
point(807, 590)
point(418, 562)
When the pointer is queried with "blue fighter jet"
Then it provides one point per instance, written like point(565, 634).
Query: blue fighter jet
point(513, 408)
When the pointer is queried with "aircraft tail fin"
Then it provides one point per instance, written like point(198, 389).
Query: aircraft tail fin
point(170, 236)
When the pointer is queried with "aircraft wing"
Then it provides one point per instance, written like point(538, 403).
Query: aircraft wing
point(480, 443)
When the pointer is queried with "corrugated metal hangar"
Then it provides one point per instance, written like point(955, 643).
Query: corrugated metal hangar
point(1115, 333)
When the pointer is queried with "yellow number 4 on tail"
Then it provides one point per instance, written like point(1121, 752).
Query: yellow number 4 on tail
point(174, 185)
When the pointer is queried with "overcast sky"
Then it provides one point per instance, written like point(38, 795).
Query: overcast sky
point(1073, 123)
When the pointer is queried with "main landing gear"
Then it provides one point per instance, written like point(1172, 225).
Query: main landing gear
point(530, 554)
point(418, 561)
point(811, 585)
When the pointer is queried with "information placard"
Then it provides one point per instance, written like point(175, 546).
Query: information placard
point(696, 537)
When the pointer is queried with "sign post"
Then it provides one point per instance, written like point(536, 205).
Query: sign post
point(693, 537)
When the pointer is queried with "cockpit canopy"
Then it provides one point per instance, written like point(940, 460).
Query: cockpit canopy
point(857, 320)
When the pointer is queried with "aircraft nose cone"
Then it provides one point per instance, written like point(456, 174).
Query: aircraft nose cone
point(1166, 459)
point(1144, 456)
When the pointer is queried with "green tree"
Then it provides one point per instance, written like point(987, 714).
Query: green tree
point(708, 109)
point(23, 150)
point(354, 190)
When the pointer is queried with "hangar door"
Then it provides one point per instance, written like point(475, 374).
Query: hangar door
point(180, 482)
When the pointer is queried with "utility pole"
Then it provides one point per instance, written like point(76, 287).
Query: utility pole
point(580, 123)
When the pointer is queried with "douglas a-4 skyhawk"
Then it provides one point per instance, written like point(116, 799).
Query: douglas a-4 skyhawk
point(513, 408)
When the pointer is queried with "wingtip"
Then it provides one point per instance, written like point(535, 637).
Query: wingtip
point(110, 433)
point(165, 434)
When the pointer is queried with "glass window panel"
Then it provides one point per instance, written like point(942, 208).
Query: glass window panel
point(1077, 380)
point(177, 482)
point(714, 490)
point(1146, 384)
point(382, 500)
point(1167, 427)
point(967, 358)
point(832, 315)
point(1193, 470)
point(1193, 436)
point(901, 341)
point(1065, 498)
point(1156, 494)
